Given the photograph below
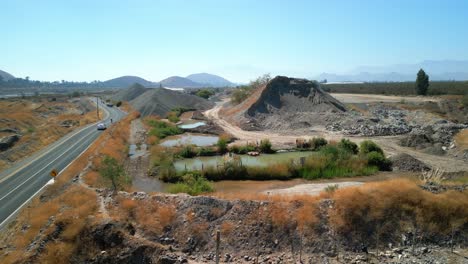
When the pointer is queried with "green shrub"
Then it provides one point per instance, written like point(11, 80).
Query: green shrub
point(193, 184)
point(247, 148)
point(187, 152)
point(368, 146)
point(118, 104)
point(234, 149)
point(163, 129)
point(113, 171)
point(205, 93)
point(222, 145)
point(317, 143)
point(349, 146)
point(172, 116)
point(206, 152)
point(180, 110)
point(265, 146)
point(377, 159)
point(167, 173)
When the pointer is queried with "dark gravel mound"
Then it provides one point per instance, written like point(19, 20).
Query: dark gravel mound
point(293, 103)
point(160, 101)
point(405, 162)
point(130, 93)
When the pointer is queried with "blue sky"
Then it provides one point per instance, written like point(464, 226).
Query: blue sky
point(97, 39)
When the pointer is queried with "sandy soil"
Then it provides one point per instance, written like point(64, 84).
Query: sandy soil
point(310, 188)
point(288, 139)
point(373, 98)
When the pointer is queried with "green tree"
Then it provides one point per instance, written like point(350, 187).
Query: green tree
point(113, 171)
point(422, 82)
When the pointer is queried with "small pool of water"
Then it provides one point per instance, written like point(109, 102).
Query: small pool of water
point(192, 125)
point(260, 161)
point(190, 139)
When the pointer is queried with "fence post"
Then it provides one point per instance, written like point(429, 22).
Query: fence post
point(218, 235)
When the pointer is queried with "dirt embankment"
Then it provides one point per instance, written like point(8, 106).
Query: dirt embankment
point(28, 125)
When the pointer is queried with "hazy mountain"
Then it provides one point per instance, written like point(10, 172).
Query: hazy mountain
point(437, 70)
point(180, 82)
point(126, 81)
point(6, 76)
point(209, 80)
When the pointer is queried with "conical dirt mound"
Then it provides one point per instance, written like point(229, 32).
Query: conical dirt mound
point(290, 103)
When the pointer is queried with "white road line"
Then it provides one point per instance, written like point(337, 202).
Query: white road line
point(65, 152)
point(21, 206)
point(48, 183)
point(65, 139)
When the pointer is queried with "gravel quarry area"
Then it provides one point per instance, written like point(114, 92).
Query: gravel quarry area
point(423, 127)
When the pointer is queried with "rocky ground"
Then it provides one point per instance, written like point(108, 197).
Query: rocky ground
point(190, 237)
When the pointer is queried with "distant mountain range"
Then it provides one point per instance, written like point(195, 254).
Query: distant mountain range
point(197, 80)
point(445, 70)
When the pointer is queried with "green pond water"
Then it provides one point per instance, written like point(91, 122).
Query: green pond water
point(190, 139)
point(260, 161)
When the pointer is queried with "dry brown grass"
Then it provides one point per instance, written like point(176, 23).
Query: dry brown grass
point(71, 206)
point(39, 123)
point(150, 215)
point(70, 210)
point(226, 228)
point(385, 208)
point(461, 139)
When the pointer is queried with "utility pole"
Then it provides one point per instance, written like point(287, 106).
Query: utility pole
point(97, 106)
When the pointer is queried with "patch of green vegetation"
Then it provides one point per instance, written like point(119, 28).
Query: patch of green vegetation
point(368, 146)
point(330, 161)
point(114, 172)
point(244, 149)
point(348, 145)
point(180, 110)
point(265, 146)
point(31, 129)
point(172, 116)
point(222, 145)
point(193, 184)
point(163, 129)
point(241, 93)
point(205, 93)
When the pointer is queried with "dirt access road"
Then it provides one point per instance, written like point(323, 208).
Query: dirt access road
point(288, 139)
point(375, 98)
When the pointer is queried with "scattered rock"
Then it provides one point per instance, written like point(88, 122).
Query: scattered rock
point(8, 142)
point(406, 162)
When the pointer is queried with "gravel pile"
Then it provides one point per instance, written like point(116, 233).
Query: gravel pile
point(159, 101)
point(130, 93)
point(405, 162)
point(290, 103)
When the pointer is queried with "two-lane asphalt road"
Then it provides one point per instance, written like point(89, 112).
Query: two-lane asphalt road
point(23, 181)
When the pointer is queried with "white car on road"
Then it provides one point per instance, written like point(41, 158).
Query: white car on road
point(101, 126)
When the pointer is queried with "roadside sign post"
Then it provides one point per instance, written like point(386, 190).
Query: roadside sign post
point(53, 174)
